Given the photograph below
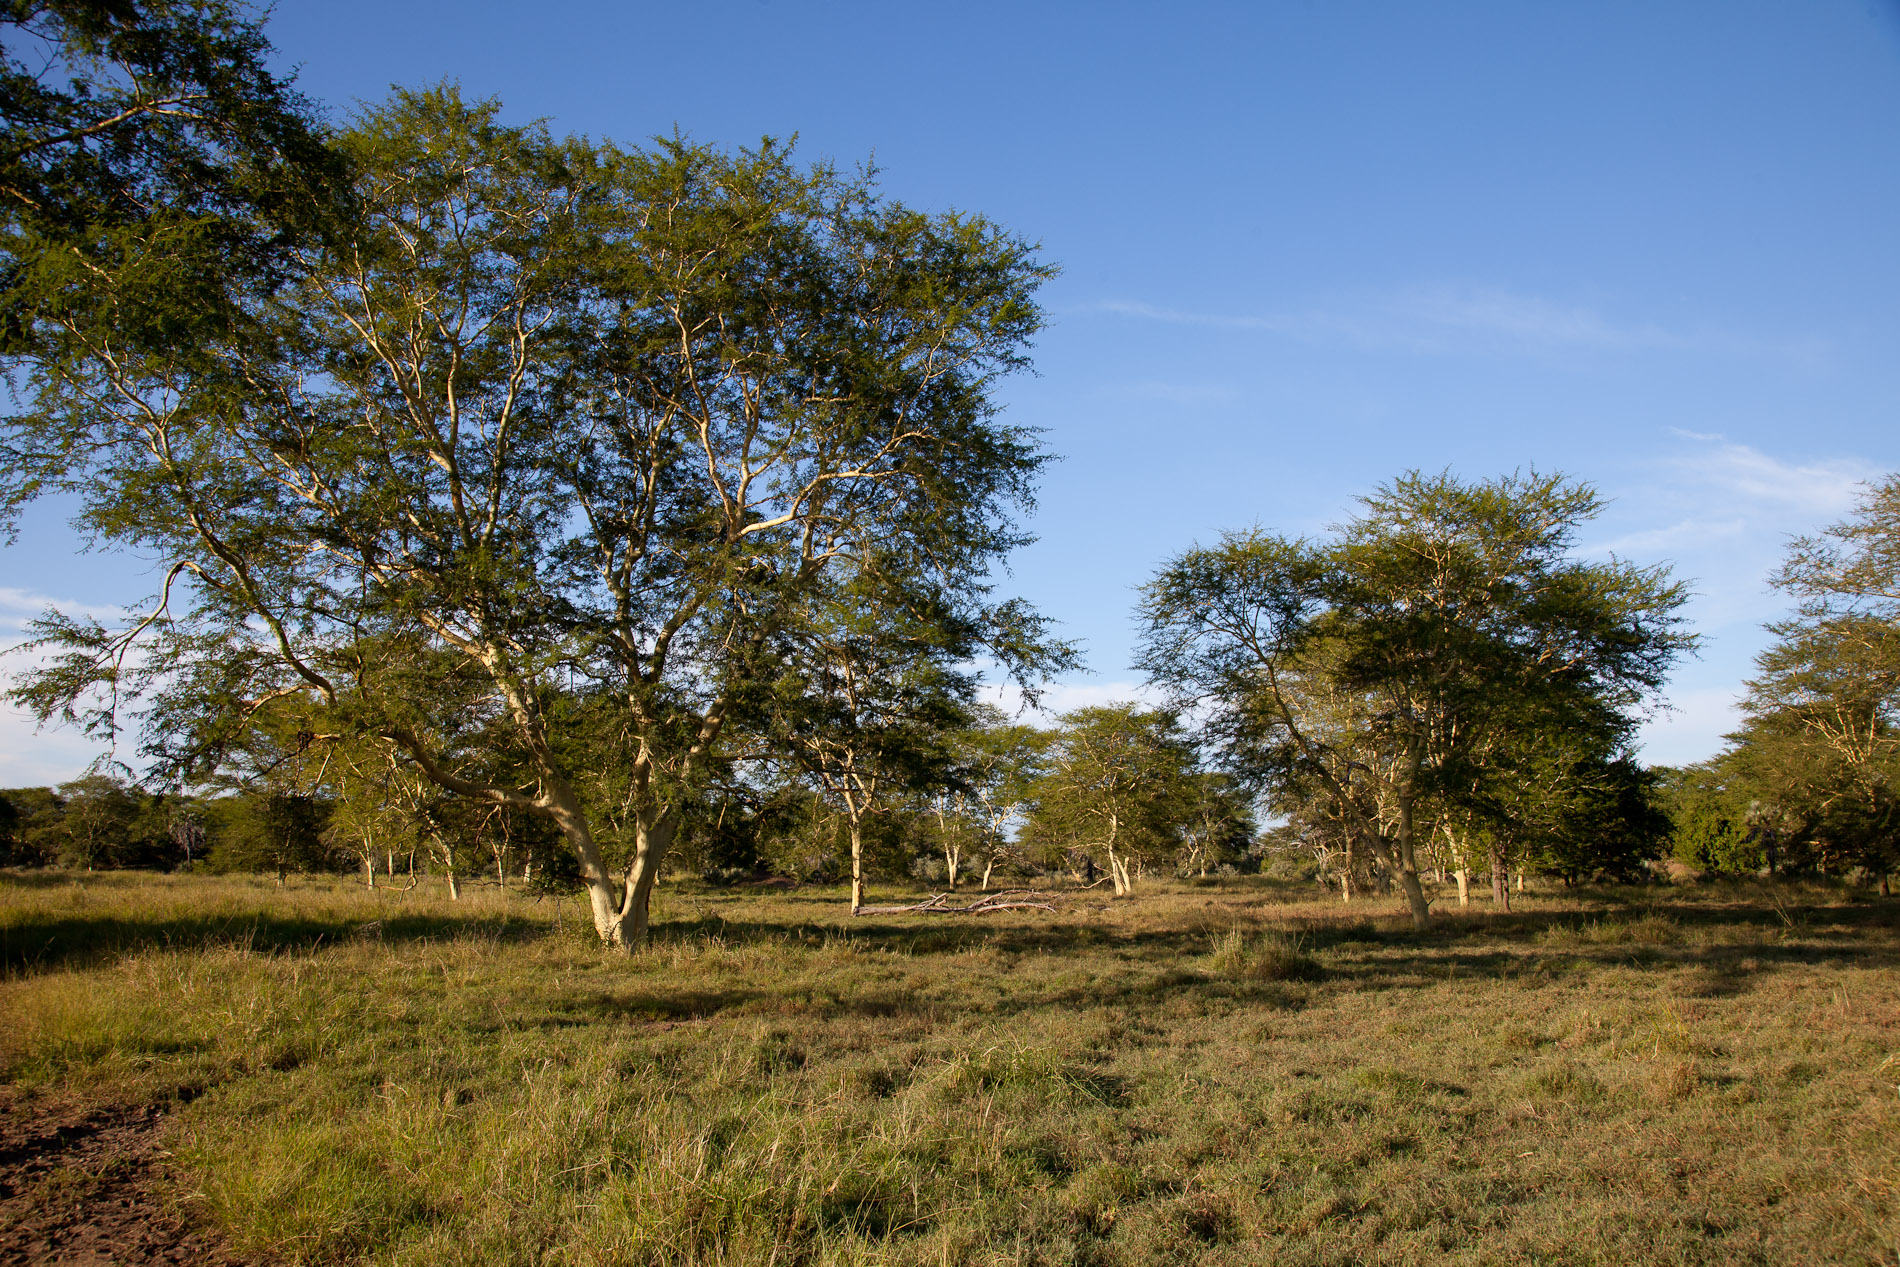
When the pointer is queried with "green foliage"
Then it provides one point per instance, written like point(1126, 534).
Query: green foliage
point(1819, 754)
point(271, 831)
point(95, 822)
point(1118, 779)
point(1708, 816)
point(531, 462)
point(1422, 659)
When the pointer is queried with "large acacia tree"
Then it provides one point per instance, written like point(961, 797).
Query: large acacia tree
point(530, 464)
point(1387, 670)
point(1821, 745)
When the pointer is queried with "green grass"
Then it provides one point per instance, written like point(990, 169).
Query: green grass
point(1204, 1074)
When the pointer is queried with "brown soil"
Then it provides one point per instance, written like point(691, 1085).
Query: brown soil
point(86, 1186)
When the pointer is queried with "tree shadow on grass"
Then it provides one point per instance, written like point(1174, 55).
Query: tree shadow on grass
point(45, 945)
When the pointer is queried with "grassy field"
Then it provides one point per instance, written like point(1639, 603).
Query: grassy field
point(1208, 1074)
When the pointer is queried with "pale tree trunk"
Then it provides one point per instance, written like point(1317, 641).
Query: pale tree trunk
point(389, 864)
point(1464, 888)
point(857, 865)
point(1520, 880)
point(952, 840)
point(1345, 881)
point(446, 852)
point(653, 836)
point(1117, 872)
point(990, 866)
point(369, 867)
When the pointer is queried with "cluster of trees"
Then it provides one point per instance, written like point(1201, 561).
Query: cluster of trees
point(638, 506)
point(1114, 790)
point(101, 822)
point(1811, 781)
point(1440, 668)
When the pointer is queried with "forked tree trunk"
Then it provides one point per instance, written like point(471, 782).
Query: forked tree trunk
point(653, 836)
point(369, 868)
point(952, 859)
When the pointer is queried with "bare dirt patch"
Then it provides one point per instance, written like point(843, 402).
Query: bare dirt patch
point(88, 1185)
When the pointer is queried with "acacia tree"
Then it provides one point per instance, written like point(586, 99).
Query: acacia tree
point(1220, 822)
point(866, 701)
point(1446, 610)
point(998, 763)
point(565, 431)
point(1821, 744)
point(1118, 778)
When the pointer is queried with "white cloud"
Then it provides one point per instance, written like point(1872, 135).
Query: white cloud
point(1066, 697)
point(1827, 486)
point(33, 757)
point(1455, 319)
point(30, 755)
point(1686, 534)
point(1693, 727)
point(18, 606)
point(1192, 394)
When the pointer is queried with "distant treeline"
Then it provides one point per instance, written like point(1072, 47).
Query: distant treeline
point(1693, 815)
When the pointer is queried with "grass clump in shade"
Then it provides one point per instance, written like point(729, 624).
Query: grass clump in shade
point(1233, 1073)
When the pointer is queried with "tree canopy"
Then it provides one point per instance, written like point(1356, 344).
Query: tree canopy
point(1400, 660)
point(533, 460)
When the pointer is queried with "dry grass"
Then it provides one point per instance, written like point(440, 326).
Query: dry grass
point(1206, 1074)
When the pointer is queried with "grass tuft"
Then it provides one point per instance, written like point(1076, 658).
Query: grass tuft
point(1271, 956)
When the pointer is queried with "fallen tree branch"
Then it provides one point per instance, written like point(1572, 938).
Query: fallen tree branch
point(940, 904)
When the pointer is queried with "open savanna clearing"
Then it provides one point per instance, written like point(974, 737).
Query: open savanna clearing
point(1226, 1072)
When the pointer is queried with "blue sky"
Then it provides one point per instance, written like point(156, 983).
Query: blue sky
point(1305, 247)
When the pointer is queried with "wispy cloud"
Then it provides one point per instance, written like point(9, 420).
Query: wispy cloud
point(1693, 727)
point(1066, 697)
point(1453, 319)
point(1827, 486)
point(18, 607)
point(1686, 534)
point(1191, 394)
point(32, 755)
